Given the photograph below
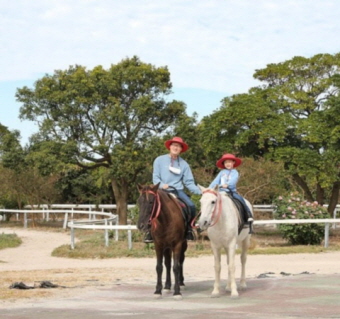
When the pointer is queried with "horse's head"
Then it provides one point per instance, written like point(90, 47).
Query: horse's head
point(208, 207)
point(146, 204)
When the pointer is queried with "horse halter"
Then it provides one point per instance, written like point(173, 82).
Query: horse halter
point(216, 214)
point(156, 206)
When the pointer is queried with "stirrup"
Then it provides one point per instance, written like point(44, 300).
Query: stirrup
point(190, 235)
point(148, 238)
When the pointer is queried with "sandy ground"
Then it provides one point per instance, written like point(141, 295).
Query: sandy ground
point(32, 263)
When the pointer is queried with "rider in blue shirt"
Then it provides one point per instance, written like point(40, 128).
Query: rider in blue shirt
point(173, 173)
point(227, 180)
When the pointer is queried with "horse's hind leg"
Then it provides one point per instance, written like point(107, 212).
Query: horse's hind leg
point(167, 261)
point(245, 245)
point(181, 263)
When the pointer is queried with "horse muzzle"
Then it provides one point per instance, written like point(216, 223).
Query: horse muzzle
point(142, 227)
point(204, 224)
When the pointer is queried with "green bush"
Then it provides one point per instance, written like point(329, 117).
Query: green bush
point(294, 207)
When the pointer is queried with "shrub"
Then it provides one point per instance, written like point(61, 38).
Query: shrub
point(294, 207)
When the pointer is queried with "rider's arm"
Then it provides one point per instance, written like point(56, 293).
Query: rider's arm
point(216, 181)
point(189, 182)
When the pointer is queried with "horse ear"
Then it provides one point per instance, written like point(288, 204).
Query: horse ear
point(139, 187)
point(216, 188)
point(155, 188)
point(201, 188)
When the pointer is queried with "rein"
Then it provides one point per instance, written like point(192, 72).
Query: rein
point(216, 214)
point(156, 208)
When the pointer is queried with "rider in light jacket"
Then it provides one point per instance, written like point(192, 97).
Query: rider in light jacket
point(227, 180)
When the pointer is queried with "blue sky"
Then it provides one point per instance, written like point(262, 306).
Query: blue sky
point(212, 48)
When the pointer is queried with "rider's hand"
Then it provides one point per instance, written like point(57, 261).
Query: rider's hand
point(224, 185)
point(165, 186)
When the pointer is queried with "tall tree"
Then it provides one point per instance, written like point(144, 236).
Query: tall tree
point(289, 119)
point(104, 118)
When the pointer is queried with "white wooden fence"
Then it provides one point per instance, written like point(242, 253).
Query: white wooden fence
point(111, 222)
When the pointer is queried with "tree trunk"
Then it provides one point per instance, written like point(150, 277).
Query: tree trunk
point(320, 194)
point(120, 194)
point(298, 180)
point(333, 201)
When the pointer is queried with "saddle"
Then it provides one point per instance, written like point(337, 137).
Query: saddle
point(185, 208)
point(241, 210)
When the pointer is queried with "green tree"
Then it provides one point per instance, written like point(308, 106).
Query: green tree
point(289, 119)
point(11, 151)
point(105, 118)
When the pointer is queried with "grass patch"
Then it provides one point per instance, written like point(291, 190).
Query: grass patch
point(9, 241)
point(91, 245)
point(265, 242)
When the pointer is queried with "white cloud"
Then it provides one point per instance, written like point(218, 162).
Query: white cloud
point(214, 45)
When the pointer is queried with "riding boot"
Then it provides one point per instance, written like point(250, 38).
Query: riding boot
point(250, 221)
point(190, 234)
point(148, 237)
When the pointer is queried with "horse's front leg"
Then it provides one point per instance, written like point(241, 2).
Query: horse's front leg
point(231, 270)
point(217, 266)
point(177, 270)
point(167, 261)
point(159, 270)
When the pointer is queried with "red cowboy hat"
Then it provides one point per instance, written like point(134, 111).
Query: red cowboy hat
point(220, 162)
point(178, 140)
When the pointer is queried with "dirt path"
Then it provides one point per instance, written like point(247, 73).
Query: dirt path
point(32, 262)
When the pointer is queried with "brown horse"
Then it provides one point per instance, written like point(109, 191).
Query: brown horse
point(162, 212)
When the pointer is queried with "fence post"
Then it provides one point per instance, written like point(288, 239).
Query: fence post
point(72, 234)
point(106, 234)
point(116, 230)
point(129, 234)
point(47, 214)
point(65, 220)
point(334, 216)
point(25, 219)
point(326, 235)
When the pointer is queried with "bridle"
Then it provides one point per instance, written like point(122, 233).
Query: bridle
point(216, 214)
point(156, 206)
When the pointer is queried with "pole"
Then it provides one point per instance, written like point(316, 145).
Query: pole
point(326, 235)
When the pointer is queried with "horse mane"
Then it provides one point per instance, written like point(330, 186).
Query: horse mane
point(166, 197)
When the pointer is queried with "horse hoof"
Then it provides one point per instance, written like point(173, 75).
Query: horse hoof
point(167, 291)
point(243, 287)
point(157, 296)
point(178, 297)
point(215, 295)
point(234, 297)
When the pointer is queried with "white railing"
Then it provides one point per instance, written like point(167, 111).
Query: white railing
point(106, 227)
point(129, 228)
point(66, 212)
point(107, 223)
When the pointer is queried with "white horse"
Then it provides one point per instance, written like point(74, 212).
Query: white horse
point(220, 217)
